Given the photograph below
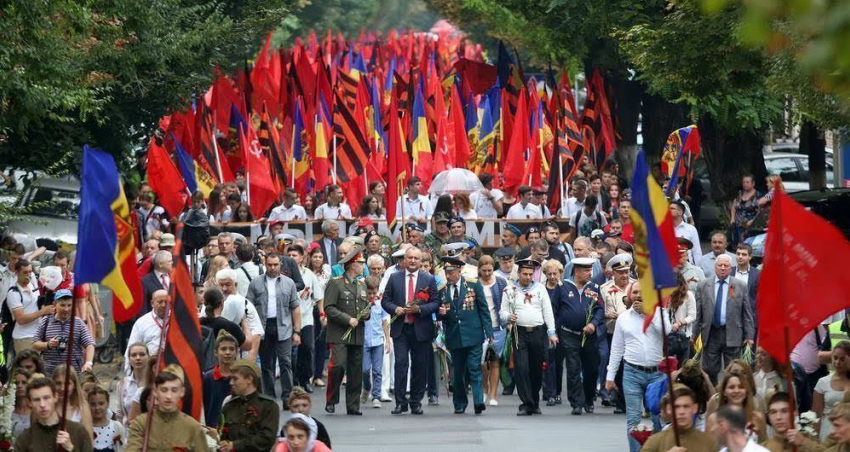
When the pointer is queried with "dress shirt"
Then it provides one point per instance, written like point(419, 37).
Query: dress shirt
point(283, 213)
point(326, 211)
point(689, 232)
point(407, 295)
point(147, 330)
point(724, 296)
point(572, 206)
point(526, 212)
point(417, 207)
point(742, 276)
point(483, 206)
point(534, 312)
point(632, 344)
point(160, 276)
point(271, 305)
point(706, 262)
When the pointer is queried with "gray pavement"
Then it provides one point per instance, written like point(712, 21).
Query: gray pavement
point(497, 429)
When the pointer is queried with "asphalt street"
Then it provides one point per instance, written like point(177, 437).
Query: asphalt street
point(497, 429)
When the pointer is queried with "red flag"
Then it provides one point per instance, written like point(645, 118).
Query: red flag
point(480, 76)
point(261, 188)
point(397, 161)
point(803, 253)
point(183, 340)
point(515, 160)
point(458, 122)
point(165, 180)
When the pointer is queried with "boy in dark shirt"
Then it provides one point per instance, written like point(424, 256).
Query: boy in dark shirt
point(217, 381)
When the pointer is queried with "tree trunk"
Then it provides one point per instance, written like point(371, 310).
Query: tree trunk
point(625, 107)
point(814, 145)
point(730, 156)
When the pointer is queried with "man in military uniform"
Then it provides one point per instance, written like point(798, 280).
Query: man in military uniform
point(249, 420)
point(510, 236)
point(347, 307)
point(458, 250)
point(466, 320)
point(690, 272)
point(614, 294)
point(439, 234)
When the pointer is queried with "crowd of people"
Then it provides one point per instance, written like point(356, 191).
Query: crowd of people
point(387, 322)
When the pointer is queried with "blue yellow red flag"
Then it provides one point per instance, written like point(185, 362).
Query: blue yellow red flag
point(681, 142)
point(655, 243)
point(106, 247)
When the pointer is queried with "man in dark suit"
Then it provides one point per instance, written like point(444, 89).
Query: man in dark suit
point(158, 279)
point(411, 296)
point(467, 322)
point(747, 274)
point(724, 317)
point(330, 242)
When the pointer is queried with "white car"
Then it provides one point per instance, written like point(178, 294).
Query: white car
point(58, 221)
point(794, 170)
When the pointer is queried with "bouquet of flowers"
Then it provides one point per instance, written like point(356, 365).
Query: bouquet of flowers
point(359, 317)
point(7, 405)
point(807, 424)
point(641, 433)
point(594, 300)
point(420, 298)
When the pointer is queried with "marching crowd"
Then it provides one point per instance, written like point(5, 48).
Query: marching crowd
point(387, 323)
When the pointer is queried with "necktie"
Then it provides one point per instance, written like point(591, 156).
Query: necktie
point(410, 294)
point(454, 295)
point(333, 258)
point(718, 304)
point(164, 282)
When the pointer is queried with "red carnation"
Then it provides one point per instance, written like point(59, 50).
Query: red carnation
point(422, 295)
point(5, 445)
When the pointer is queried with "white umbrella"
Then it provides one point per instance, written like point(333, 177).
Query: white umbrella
point(455, 180)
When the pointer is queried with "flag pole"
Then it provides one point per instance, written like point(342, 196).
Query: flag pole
point(215, 149)
point(334, 146)
point(63, 422)
point(667, 370)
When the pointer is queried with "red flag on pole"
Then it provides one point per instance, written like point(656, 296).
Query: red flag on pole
point(261, 189)
point(803, 251)
point(165, 180)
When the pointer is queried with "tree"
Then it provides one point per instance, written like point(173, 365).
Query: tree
point(103, 72)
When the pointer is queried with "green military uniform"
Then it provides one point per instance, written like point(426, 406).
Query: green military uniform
point(690, 438)
point(345, 299)
point(466, 324)
point(692, 275)
point(250, 422)
point(169, 432)
point(777, 444)
point(39, 438)
point(434, 243)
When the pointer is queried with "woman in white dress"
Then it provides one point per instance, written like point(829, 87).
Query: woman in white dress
point(129, 384)
point(829, 390)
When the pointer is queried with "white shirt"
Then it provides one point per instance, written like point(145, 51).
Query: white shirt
point(742, 276)
point(631, 344)
point(146, 330)
point(724, 295)
point(706, 262)
point(26, 298)
point(7, 278)
point(283, 213)
point(527, 212)
point(572, 206)
point(326, 211)
point(534, 312)
point(468, 215)
point(271, 305)
point(407, 285)
point(750, 447)
point(159, 277)
point(312, 293)
point(689, 232)
point(235, 309)
point(244, 277)
point(418, 207)
point(483, 206)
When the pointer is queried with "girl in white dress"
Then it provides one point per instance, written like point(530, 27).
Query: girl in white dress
point(829, 390)
point(138, 378)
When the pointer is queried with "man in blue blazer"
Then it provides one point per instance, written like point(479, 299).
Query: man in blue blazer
point(411, 297)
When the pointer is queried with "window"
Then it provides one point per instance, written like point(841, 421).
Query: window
point(830, 171)
point(786, 167)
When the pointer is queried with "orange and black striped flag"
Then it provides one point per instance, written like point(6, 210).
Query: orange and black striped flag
point(183, 337)
point(270, 144)
point(352, 149)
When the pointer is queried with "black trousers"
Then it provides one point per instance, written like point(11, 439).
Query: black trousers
point(320, 347)
point(410, 354)
point(345, 360)
point(582, 367)
point(304, 357)
point(529, 353)
point(553, 382)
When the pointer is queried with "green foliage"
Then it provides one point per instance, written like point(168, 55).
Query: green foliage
point(103, 72)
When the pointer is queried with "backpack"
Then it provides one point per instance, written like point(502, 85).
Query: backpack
point(585, 229)
point(208, 360)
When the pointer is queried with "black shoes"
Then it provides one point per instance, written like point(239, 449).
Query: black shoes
point(537, 411)
point(607, 403)
point(399, 409)
point(480, 408)
point(508, 391)
point(460, 410)
point(416, 409)
point(330, 409)
point(588, 409)
point(308, 389)
point(558, 400)
point(576, 411)
point(619, 410)
point(354, 413)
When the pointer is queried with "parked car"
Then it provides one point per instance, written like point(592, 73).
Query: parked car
point(58, 219)
point(794, 148)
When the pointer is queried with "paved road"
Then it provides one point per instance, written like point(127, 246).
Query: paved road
point(497, 430)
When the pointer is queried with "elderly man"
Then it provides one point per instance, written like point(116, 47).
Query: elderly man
point(614, 293)
point(279, 310)
point(330, 242)
point(718, 247)
point(510, 236)
point(159, 279)
point(148, 328)
point(411, 296)
point(583, 247)
point(690, 272)
point(724, 317)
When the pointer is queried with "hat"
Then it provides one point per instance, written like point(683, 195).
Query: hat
point(441, 217)
point(583, 262)
point(454, 220)
point(538, 190)
point(505, 253)
point(284, 236)
point(453, 249)
point(248, 364)
point(364, 222)
point(167, 241)
point(360, 230)
point(238, 238)
point(620, 262)
point(354, 240)
point(515, 230)
point(531, 230)
point(597, 234)
point(528, 263)
point(685, 245)
point(63, 293)
point(452, 263)
point(414, 227)
point(399, 252)
point(177, 371)
point(370, 234)
point(356, 255)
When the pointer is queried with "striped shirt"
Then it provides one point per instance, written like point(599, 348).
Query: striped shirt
point(51, 327)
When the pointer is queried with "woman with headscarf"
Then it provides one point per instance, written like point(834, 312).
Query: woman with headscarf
point(300, 436)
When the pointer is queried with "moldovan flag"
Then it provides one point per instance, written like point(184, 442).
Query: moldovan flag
point(183, 337)
point(655, 243)
point(804, 255)
point(106, 248)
